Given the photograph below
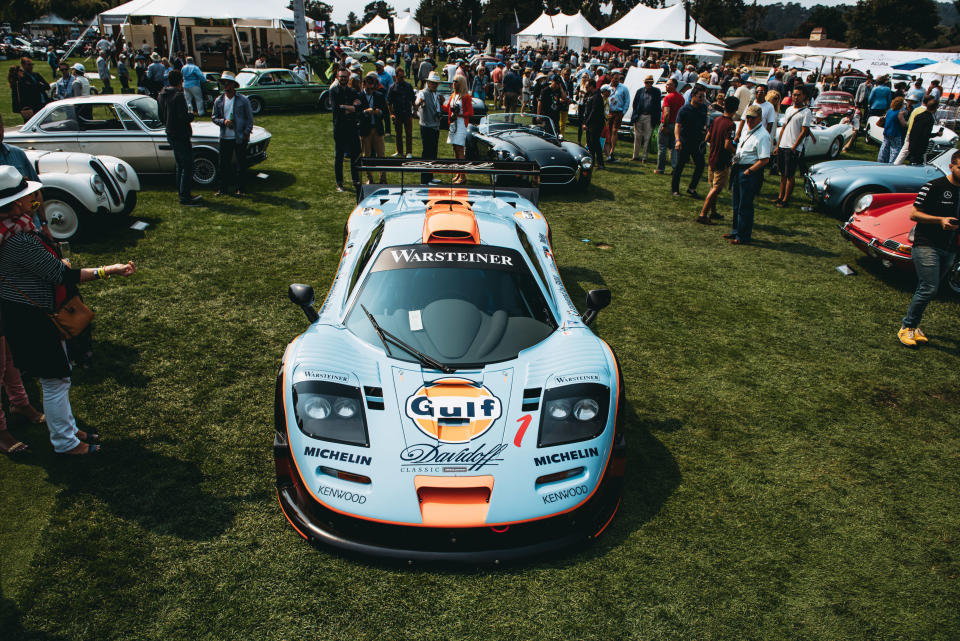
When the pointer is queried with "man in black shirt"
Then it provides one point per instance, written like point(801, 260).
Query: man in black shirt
point(936, 211)
point(400, 97)
point(512, 88)
point(550, 99)
point(594, 119)
point(175, 116)
point(345, 103)
point(921, 131)
point(690, 129)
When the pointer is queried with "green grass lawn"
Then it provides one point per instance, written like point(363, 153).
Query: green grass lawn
point(792, 470)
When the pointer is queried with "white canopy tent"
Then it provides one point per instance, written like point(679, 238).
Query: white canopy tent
point(571, 31)
point(646, 23)
point(457, 41)
point(703, 45)
point(403, 25)
point(658, 44)
point(942, 68)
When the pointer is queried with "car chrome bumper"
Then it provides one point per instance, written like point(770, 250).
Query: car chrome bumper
point(318, 524)
point(872, 247)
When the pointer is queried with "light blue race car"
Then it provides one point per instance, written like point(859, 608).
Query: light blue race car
point(448, 401)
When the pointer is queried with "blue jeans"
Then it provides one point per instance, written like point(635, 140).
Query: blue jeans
point(183, 156)
point(666, 141)
point(889, 149)
point(744, 190)
point(932, 265)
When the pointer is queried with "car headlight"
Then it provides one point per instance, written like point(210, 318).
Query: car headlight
point(121, 172)
point(96, 183)
point(586, 163)
point(863, 203)
point(519, 158)
point(331, 412)
point(573, 413)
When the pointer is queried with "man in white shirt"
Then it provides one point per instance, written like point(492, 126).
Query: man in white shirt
point(789, 149)
point(450, 69)
point(752, 155)
point(743, 93)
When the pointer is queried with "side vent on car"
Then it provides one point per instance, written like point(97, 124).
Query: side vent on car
point(450, 219)
point(374, 397)
point(531, 399)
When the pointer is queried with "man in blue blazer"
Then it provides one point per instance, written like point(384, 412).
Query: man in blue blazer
point(232, 113)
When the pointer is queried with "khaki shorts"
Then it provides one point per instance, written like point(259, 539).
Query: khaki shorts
point(719, 178)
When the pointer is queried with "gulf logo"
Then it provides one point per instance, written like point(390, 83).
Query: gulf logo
point(453, 410)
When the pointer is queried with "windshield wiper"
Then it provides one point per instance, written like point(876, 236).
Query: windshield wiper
point(386, 338)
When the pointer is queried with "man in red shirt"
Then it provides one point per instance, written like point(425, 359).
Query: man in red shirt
point(496, 77)
point(722, 148)
point(672, 102)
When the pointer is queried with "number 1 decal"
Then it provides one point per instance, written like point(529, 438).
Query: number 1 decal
point(524, 424)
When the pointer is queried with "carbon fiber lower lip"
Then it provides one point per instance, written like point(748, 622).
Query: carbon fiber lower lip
point(467, 545)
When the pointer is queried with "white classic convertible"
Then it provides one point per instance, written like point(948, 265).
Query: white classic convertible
point(76, 184)
point(830, 139)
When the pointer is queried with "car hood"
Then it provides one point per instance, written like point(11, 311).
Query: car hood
point(528, 143)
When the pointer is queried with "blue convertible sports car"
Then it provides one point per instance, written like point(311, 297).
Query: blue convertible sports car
point(448, 401)
point(836, 186)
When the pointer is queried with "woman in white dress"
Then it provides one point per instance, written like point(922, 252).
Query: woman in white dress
point(459, 109)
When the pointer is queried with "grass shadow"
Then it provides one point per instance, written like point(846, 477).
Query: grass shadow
point(573, 276)
point(795, 248)
point(113, 361)
point(12, 627)
point(904, 280)
point(229, 205)
point(275, 180)
point(161, 493)
point(106, 234)
point(781, 231)
point(271, 199)
point(575, 194)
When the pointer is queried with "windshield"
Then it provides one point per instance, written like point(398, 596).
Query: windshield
point(523, 122)
point(244, 78)
point(146, 110)
point(461, 305)
point(942, 162)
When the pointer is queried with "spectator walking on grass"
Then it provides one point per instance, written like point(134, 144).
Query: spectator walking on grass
point(177, 118)
point(232, 113)
point(594, 119)
point(193, 82)
point(459, 110)
point(512, 89)
point(400, 97)
point(370, 123)
point(644, 117)
point(790, 142)
point(722, 147)
point(35, 280)
point(345, 102)
point(751, 156)
point(690, 129)
point(666, 142)
point(937, 218)
point(619, 102)
point(894, 125)
point(921, 131)
point(880, 97)
point(428, 109)
point(123, 73)
point(103, 72)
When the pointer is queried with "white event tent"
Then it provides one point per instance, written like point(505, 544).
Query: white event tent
point(646, 23)
point(403, 25)
point(571, 31)
point(153, 20)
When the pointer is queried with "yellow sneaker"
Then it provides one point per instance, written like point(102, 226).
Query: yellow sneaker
point(920, 337)
point(907, 336)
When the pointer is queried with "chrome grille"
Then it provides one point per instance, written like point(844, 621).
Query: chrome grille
point(557, 174)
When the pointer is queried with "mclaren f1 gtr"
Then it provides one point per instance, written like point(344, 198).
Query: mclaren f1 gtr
point(448, 401)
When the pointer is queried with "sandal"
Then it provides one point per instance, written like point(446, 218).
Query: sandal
point(91, 449)
point(29, 412)
point(15, 449)
point(92, 439)
point(703, 220)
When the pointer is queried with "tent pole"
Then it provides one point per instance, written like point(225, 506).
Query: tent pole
point(79, 40)
point(239, 44)
point(173, 33)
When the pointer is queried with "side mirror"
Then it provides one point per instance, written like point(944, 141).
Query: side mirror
point(597, 299)
point(302, 296)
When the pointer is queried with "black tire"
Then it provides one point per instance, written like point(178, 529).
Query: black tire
point(835, 148)
point(64, 214)
point(952, 279)
point(584, 183)
point(256, 105)
point(205, 167)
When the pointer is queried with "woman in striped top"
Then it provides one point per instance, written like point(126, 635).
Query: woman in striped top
point(34, 281)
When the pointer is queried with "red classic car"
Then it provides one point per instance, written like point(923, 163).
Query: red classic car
point(880, 228)
point(833, 106)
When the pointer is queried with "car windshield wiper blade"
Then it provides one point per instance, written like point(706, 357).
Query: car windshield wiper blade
point(386, 338)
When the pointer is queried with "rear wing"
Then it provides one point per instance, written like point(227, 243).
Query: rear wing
point(492, 168)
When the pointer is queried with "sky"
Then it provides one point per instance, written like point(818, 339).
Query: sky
point(342, 7)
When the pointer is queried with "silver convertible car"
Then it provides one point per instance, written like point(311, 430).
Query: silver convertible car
point(126, 126)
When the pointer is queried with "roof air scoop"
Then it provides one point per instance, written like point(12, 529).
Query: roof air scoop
point(450, 220)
